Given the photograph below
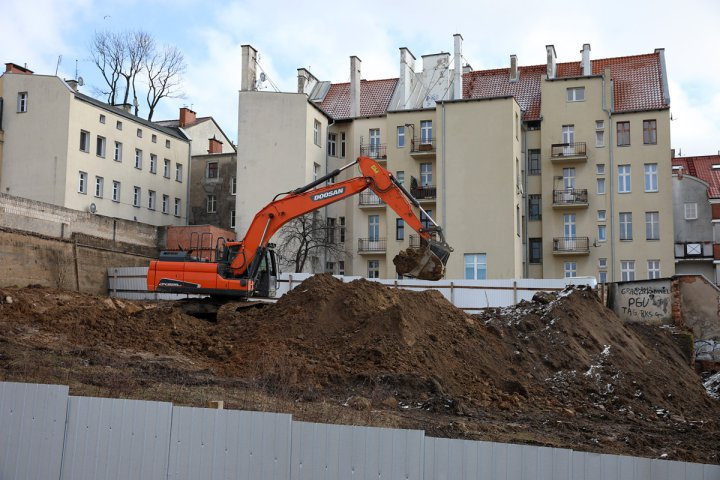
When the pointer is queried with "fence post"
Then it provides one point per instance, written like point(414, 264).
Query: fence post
point(515, 292)
point(114, 289)
point(289, 282)
point(452, 293)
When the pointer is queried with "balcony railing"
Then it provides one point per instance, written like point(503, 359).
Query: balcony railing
point(571, 245)
point(425, 192)
point(570, 196)
point(372, 244)
point(375, 151)
point(422, 145)
point(577, 149)
point(370, 199)
point(416, 241)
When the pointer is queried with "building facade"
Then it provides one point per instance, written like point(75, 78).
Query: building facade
point(66, 148)
point(542, 171)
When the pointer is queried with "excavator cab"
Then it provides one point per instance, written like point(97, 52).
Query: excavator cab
point(267, 273)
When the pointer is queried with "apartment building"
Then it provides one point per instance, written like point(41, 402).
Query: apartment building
point(696, 203)
point(213, 170)
point(543, 171)
point(63, 147)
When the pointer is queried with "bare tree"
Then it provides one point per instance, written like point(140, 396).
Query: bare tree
point(107, 51)
point(164, 70)
point(308, 236)
point(139, 46)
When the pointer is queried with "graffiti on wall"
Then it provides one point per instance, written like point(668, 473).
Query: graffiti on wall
point(644, 302)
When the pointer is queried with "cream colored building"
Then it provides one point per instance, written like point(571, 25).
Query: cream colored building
point(66, 148)
point(545, 171)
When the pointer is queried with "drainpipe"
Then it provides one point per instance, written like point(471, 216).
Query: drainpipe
point(187, 186)
point(327, 161)
point(610, 174)
point(526, 266)
point(444, 203)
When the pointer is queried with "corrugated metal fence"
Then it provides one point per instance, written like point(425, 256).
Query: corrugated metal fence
point(47, 434)
point(470, 295)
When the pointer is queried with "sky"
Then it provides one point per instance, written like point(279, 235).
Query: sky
point(322, 35)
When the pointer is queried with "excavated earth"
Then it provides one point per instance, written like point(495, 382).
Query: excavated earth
point(561, 371)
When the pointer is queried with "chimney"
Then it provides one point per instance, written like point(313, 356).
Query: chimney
point(124, 106)
point(355, 78)
point(15, 68)
point(306, 81)
point(467, 68)
point(457, 71)
point(407, 77)
point(514, 72)
point(586, 64)
point(249, 64)
point(215, 145)
point(551, 61)
point(72, 84)
point(187, 117)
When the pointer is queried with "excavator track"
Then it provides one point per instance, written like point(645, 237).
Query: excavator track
point(217, 309)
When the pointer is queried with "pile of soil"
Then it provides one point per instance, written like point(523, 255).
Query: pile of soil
point(561, 371)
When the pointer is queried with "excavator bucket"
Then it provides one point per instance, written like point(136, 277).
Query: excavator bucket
point(426, 263)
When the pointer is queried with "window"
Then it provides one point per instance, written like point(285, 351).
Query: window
point(535, 250)
point(22, 102)
point(167, 143)
point(624, 179)
point(600, 169)
point(341, 223)
point(373, 268)
point(176, 211)
point(693, 249)
point(330, 267)
point(400, 137)
point(691, 211)
point(82, 183)
point(153, 138)
point(601, 186)
point(151, 200)
point(233, 185)
point(330, 230)
point(568, 178)
point(232, 218)
point(576, 94)
point(426, 174)
point(534, 162)
point(102, 118)
point(426, 131)
point(316, 133)
point(627, 270)
point(212, 170)
point(316, 171)
point(599, 133)
point(341, 267)
point(99, 187)
point(649, 132)
point(211, 204)
point(425, 219)
point(517, 125)
point(166, 168)
point(153, 163)
point(400, 177)
point(138, 158)
point(602, 233)
point(178, 172)
point(653, 269)
point(570, 269)
point(602, 262)
point(373, 228)
point(602, 277)
point(652, 225)
point(626, 226)
point(166, 204)
point(569, 225)
point(84, 141)
point(117, 155)
point(475, 266)
point(399, 229)
point(100, 147)
point(568, 137)
point(116, 191)
point(374, 143)
point(342, 145)
point(623, 134)
point(118, 125)
point(601, 215)
point(534, 207)
point(651, 178)
point(136, 197)
point(332, 144)
point(139, 132)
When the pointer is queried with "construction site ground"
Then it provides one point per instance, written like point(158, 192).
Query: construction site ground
point(561, 371)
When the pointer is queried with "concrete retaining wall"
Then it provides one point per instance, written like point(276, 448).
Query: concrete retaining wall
point(647, 301)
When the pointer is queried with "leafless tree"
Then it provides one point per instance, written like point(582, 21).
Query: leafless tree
point(139, 46)
point(164, 70)
point(308, 236)
point(107, 51)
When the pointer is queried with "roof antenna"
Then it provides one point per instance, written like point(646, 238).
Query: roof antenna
point(57, 67)
point(76, 63)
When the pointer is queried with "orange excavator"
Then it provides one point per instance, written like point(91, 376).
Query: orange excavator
point(248, 268)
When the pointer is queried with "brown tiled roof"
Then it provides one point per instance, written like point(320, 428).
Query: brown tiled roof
point(375, 97)
point(701, 167)
point(637, 83)
point(176, 122)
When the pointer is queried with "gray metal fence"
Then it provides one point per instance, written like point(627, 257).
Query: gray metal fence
point(47, 434)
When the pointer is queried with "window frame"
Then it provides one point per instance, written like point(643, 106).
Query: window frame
point(165, 204)
point(400, 136)
point(534, 210)
point(117, 152)
point(138, 158)
point(99, 182)
point(232, 218)
point(166, 167)
point(571, 94)
point(82, 182)
point(100, 146)
point(599, 133)
point(373, 268)
point(117, 186)
point(650, 132)
point(178, 172)
point(624, 178)
point(84, 141)
point(332, 144)
point(426, 132)
point(233, 185)
point(651, 176)
point(177, 207)
point(627, 270)
point(153, 163)
point(602, 233)
point(399, 229)
point(625, 226)
point(212, 170)
point(316, 132)
point(653, 269)
point(694, 209)
point(534, 164)
point(476, 264)
point(623, 134)
point(652, 226)
point(22, 102)
point(569, 269)
point(151, 200)
point(137, 196)
point(535, 243)
point(211, 204)
point(598, 182)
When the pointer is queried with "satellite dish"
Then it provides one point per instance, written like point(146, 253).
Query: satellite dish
point(262, 76)
point(92, 208)
point(80, 81)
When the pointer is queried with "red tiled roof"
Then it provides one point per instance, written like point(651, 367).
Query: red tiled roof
point(375, 97)
point(701, 167)
point(637, 83)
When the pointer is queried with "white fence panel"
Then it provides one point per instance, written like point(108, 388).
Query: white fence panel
point(32, 427)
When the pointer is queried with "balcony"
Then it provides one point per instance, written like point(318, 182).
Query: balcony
point(370, 200)
point(426, 193)
point(375, 151)
point(571, 246)
point(422, 148)
point(568, 152)
point(372, 245)
point(570, 198)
